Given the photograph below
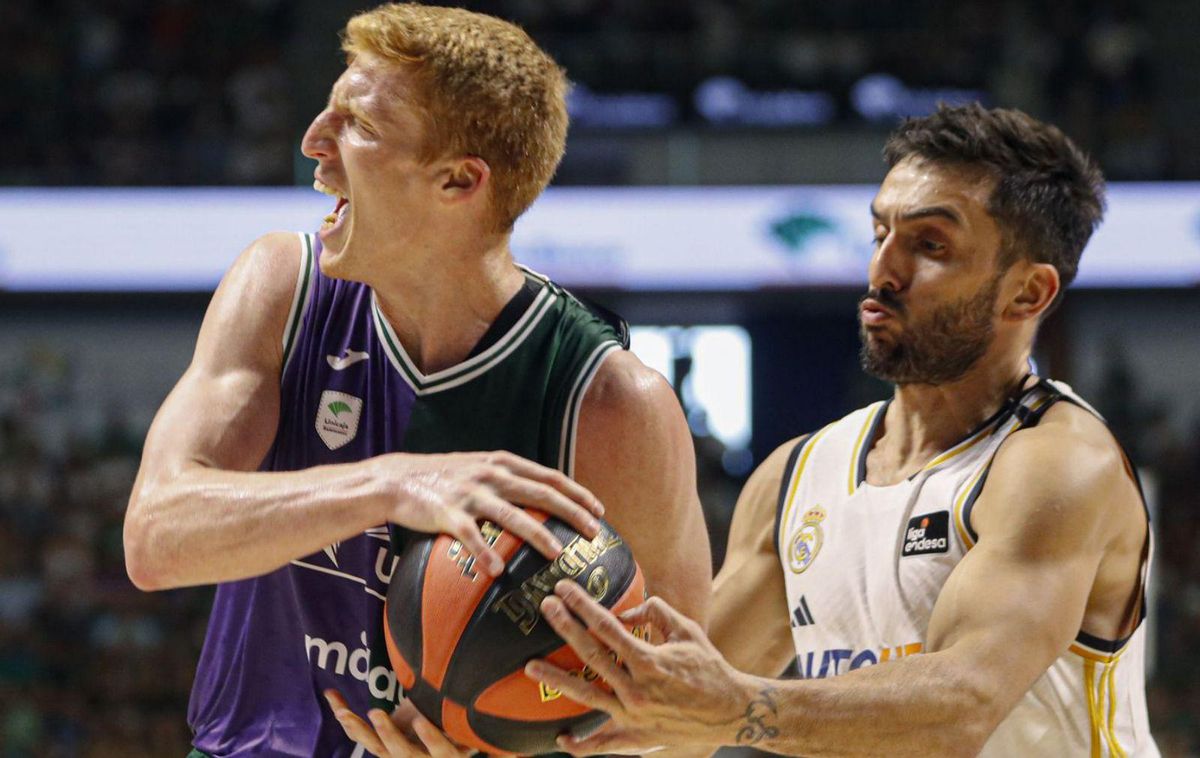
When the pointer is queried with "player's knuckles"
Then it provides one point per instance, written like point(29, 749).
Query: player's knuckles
point(500, 459)
point(488, 475)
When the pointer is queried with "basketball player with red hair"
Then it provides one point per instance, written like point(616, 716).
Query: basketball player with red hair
point(397, 371)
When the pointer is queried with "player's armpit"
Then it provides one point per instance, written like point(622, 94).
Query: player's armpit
point(634, 451)
point(749, 616)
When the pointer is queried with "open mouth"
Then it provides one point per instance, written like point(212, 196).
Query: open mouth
point(335, 218)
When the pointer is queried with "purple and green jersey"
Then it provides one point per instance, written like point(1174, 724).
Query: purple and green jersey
point(348, 392)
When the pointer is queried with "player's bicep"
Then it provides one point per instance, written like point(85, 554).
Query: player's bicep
point(749, 609)
point(1025, 584)
point(635, 453)
point(224, 410)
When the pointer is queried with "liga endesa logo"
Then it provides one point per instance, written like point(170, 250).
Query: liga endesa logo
point(929, 533)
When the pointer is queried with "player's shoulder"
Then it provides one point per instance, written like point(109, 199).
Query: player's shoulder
point(782, 458)
point(627, 393)
point(249, 311)
point(1068, 467)
point(1068, 447)
point(273, 257)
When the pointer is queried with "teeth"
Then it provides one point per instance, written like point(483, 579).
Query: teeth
point(325, 189)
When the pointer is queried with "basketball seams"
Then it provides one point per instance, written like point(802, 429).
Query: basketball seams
point(476, 637)
point(447, 578)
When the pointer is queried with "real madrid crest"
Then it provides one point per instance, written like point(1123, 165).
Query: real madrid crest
point(806, 542)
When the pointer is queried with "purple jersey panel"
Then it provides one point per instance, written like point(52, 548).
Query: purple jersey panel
point(275, 642)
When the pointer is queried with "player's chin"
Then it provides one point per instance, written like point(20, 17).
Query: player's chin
point(336, 256)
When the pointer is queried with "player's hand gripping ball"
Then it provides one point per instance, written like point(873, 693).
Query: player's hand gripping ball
point(459, 640)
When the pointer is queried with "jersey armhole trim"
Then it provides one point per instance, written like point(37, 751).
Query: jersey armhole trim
point(1022, 416)
point(784, 481)
point(962, 509)
point(1088, 645)
point(864, 444)
point(570, 425)
point(300, 299)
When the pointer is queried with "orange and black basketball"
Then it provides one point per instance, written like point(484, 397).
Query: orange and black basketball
point(459, 640)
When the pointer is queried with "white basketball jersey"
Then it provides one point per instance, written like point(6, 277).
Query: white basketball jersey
point(864, 566)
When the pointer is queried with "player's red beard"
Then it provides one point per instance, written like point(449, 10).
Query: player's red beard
point(940, 347)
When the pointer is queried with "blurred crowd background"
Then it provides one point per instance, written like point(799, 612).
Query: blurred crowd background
point(185, 92)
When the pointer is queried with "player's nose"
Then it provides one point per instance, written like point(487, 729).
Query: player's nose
point(318, 140)
point(888, 269)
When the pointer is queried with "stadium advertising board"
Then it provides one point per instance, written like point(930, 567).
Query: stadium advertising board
point(729, 238)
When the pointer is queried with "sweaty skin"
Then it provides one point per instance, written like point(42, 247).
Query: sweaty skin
point(1060, 522)
point(421, 234)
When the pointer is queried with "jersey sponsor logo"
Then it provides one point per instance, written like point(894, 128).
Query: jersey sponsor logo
point(337, 418)
point(926, 534)
point(355, 662)
point(819, 664)
point(807, 540)
point(347, 359)
point(801, 615)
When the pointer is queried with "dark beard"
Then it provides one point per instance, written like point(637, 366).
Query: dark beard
point(939, 349)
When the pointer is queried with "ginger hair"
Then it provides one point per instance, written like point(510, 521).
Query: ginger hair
point(483, 87)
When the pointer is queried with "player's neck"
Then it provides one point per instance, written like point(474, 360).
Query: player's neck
point(442, 302)
point(924, 420)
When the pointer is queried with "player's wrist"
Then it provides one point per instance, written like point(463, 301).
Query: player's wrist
point(755, 711)
point(376, 489)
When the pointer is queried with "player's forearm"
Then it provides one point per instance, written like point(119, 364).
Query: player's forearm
point(918, 706)
point(207, 525)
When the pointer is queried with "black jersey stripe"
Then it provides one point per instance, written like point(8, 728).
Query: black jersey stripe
point(783, 486)
point(860, 473)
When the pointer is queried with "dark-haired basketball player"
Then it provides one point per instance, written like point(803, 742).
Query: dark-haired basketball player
point(341, 380)
point(958, 570)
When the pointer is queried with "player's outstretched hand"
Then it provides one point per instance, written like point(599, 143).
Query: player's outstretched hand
point(404, 733)
point(680, 693)
point(451, 493)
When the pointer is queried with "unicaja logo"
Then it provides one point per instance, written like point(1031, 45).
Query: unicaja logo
point(337, 418)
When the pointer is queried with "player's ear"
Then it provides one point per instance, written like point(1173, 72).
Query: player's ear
point(1037, 285)
point(465, 177)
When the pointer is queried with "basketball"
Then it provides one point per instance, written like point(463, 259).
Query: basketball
point(458, 640)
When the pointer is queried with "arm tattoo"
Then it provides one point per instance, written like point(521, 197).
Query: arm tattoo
point(759, 720)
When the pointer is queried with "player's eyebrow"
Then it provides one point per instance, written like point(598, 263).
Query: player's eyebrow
point(938, 211)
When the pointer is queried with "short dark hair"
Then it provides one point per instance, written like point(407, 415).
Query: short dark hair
point(1049, 195)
